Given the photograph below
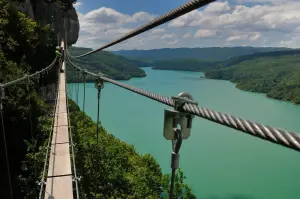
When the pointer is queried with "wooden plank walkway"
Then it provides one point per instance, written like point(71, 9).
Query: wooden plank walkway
point(59, 180)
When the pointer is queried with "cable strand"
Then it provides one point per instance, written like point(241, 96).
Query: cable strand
point(5, 149)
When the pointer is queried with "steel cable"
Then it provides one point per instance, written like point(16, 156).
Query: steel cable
point(187, 7)
point(31, 75)
point(282, 137)
point(5, 148)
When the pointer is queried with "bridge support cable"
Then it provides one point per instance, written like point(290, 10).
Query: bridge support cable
point(84, 85)
point(2, 97)
point(99, 84)
point(173, 119)
point(275, 135)
point(185, 8)
point(25, 77)
point(77, 85)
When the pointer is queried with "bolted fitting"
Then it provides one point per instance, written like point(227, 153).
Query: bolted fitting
point(173, 118)
point(99, 83)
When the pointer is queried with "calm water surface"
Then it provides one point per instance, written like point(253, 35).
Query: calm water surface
point(218, 162)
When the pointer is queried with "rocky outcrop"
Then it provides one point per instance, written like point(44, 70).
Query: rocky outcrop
point(53, 14)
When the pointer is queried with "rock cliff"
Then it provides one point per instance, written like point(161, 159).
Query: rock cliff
point(49, 12)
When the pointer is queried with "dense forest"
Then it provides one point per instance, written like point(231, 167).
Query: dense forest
point(25, 48)
point(277, 74)
point(121, 171)
point(210, 54)
point(114, 66)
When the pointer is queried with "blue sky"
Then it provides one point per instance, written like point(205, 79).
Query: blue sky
point(223, 23)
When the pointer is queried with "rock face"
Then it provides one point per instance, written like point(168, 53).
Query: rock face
point(52, 13)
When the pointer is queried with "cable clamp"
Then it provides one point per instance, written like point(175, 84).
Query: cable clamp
point(41, 183)
point(99, 83)
point(47, 147)
point(173, 118)
point(72, 145)
point(77, 178)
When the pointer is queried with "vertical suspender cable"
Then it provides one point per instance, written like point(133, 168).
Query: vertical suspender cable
point(84, 82)
point(33, 142)
point(99, 86)
point(98, 109)
point(77, 87)
point(2, 94)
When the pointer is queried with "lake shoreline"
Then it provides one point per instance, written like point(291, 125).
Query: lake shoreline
point(265, 94)
point(236, 84)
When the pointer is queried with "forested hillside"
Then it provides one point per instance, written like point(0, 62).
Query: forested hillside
point(25, 48)
point(183, 65)
point(114, 66)
point(276, 74)
point(211, 54)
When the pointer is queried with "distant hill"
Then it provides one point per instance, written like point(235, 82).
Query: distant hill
point(211, 54)
point(275, 73)
point(183, 65)
point(114, 66)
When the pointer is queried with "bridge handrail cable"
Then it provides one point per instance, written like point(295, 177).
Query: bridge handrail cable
point(26, 77)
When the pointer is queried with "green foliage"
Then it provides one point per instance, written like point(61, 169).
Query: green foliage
point(276, 74)
point(25, 48)
point(112, 168)
point(115, 66)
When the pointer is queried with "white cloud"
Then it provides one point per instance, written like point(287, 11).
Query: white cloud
point(205, 33)
point(143, 16)
point(254, 22)
point(173, 42)
point(168, 36)
point(77, 4)
point(233, 38)
point(107, 16)
point(255, 36)
point(217, 7)
point(187, 35)
point(158, 30)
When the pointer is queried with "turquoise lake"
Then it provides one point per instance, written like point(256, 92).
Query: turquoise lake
point(219, 162)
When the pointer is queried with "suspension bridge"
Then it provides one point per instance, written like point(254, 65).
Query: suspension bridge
point(60, 180)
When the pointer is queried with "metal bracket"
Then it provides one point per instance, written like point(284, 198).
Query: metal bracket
point(173, 118)
point(99, 83)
